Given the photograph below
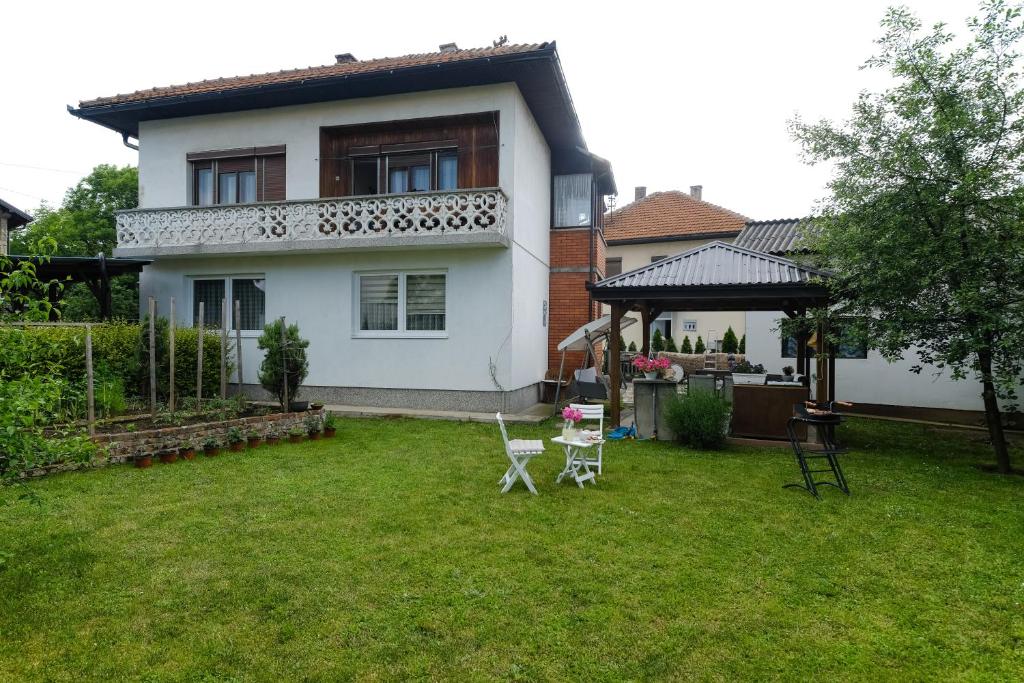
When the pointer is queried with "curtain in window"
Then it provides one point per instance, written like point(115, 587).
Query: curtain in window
point(378, 302)
point(211, 293)
point(204, 186)
point(572, 200)
point(447, 172)
point(247, 187)
point(424, 302)
point(420, 178)
point(228, 188)
point(251, 298)
point(398, 181)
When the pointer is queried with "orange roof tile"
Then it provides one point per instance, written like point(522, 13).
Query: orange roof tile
point(312, 73)
point(662, 215)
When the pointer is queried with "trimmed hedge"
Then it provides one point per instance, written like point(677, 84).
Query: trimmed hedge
point(117, 349)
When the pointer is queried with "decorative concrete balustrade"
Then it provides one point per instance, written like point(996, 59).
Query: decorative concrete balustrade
point(459, 217)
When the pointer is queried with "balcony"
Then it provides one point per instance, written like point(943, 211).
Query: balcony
point(460, 217)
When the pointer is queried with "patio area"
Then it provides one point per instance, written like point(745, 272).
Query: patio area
point(387, 552)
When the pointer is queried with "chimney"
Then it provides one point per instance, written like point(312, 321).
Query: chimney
point(639, 192)
point(448, 47)
point(345, 58)
point(695, 191)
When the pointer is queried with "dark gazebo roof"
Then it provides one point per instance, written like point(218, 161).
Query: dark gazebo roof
point(18, 217)
point(718, 277)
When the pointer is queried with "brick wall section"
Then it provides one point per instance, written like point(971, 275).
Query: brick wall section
point(568, 299)
point(124, 446)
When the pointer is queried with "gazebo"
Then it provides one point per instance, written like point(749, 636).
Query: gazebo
point(716, 277)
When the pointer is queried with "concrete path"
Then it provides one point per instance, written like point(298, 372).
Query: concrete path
point(535, 414)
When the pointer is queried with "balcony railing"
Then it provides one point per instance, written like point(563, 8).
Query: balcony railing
point(452, 217)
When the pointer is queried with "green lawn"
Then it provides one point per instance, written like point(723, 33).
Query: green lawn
point(388, 553)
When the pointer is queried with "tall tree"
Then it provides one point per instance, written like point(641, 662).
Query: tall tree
point(85, 225)
point(924, 225)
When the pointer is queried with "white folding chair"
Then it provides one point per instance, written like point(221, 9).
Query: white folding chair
point(590, 414)
point(519, 452)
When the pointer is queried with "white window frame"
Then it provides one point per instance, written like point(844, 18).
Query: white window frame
point(686, 326)
point(401, 332)
point(229, 295)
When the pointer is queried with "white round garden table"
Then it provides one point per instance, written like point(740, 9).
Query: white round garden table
point(575, 460)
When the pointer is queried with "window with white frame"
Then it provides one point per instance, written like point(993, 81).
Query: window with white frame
point(248, 290)
point(394, 304)
point(689, 326)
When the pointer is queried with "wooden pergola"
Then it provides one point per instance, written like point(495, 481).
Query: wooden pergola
point(717, 277)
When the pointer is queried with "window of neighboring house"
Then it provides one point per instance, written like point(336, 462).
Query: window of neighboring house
point(573, 200)
point(248, 291)
point(612, 266)
point(395, 304)
point(655, 259)
point(847, 348)
point(689, 326)
point(423, 171)
point(225, 178)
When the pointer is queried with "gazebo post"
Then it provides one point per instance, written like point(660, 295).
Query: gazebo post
point(821, 386)
point(614, 363)
point(645, 320)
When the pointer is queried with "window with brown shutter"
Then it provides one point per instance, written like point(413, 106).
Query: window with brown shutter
point(238, 176)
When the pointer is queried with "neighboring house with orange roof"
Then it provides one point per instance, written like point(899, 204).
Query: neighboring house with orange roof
point(661, 224)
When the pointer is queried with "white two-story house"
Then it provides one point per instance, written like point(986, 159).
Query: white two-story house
point(398, 210)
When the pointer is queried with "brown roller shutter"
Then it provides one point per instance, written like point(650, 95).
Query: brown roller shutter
point(236, 165)
point(270, 186)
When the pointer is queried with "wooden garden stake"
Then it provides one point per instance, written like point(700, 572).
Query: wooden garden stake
point(238, 342)
point(170, 353)
point(223, 349)
point(199, 358)
point(152, 356)
point(90, 396)
point(284, 360)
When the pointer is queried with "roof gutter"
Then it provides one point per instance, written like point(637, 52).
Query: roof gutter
point(673, 238)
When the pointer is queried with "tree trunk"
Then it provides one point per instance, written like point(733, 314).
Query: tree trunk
point(992, 417)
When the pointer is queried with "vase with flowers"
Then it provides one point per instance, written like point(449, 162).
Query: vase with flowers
point(651, 367)
point(572, 417)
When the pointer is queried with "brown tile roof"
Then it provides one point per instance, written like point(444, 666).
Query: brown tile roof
point(312, 73)
point(662, 215)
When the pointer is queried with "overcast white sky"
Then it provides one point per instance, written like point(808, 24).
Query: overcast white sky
point(674, 94)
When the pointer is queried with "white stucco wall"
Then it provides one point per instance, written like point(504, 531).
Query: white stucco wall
point(495, 296)
point(869, 380)
point(163, 170)
point(317, 292)
point(708, 322)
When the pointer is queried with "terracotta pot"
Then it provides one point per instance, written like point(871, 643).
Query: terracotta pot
point(295, 438)
point(188, 453)
point(273, 440)
point(236, 446)
point(143, 461)
point(253, 443)
point(168, 457)
point(330, 431)
point(212, 451)
point(314, 436)
point(316, 406)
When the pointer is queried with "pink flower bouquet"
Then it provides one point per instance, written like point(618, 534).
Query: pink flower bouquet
point(651, 365)
point(571, 414)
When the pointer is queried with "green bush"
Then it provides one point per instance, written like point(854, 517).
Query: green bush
point(657, 341)
point(743, 344)
point(699, 347)
point(670, 345)
point(632, 347)
point(272, 370)
point(700, 420)
point(729, 341)
point(687, 347)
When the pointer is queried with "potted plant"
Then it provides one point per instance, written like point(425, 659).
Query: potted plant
point(313, 426)
point(330, 425)
point(236, 440)
point(747, 373)
point(168, 454)
point(273, 438)
point(143, 460)
point(187, 449)
point(651, 367)
point(211, 446)
point(572, 417)
point(253, 437)
point(787, 372)
point(296, 434)
point(315, 405)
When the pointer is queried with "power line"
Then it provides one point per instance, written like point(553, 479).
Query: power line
point(42, 168)
point(24, 194)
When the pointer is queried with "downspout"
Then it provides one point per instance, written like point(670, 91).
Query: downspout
point(124, 139)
